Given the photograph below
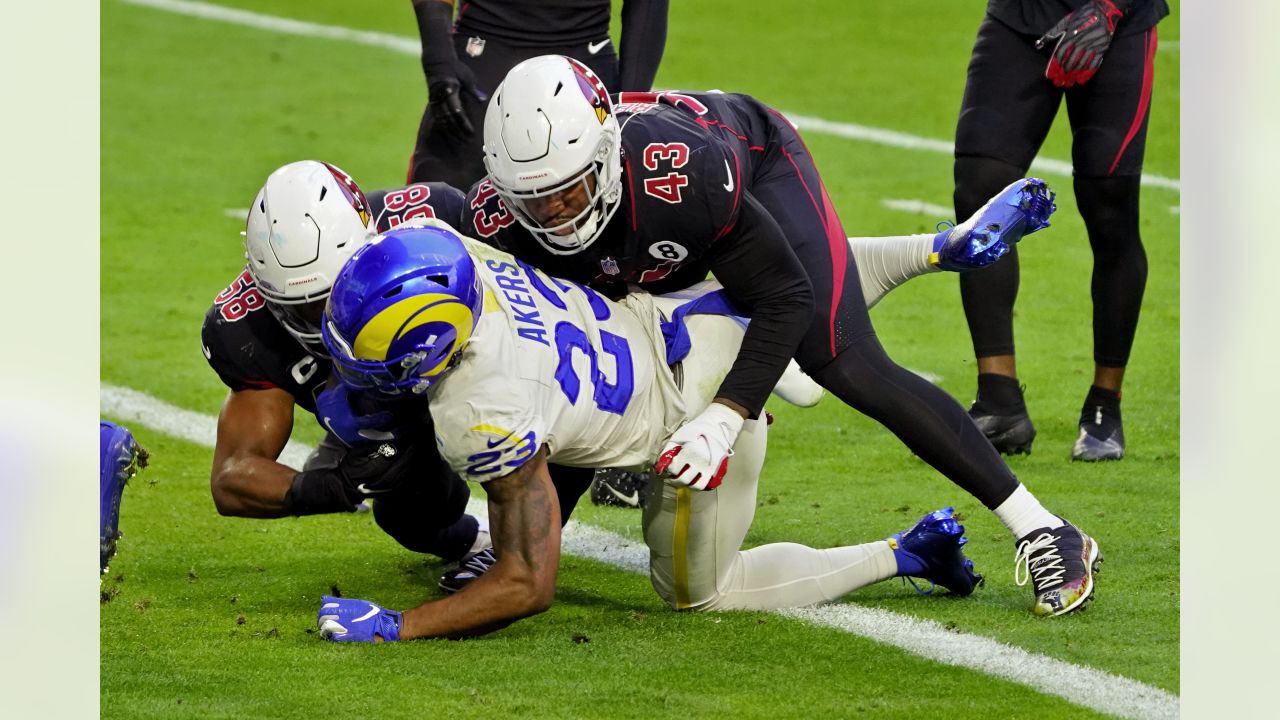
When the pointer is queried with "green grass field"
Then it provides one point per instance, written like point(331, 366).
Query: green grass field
point(204, 616)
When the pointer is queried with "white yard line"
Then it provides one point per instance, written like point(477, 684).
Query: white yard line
point(1094, 689)
point(412, 46)
point(918, 207)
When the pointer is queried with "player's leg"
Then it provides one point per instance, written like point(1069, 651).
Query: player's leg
point(841, 352)
point(696, 562)
point(1109, 125)
point(1006, 112)
point(427, 514)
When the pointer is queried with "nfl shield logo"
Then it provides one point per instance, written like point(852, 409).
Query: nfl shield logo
point(609, 265)
point(475, 46)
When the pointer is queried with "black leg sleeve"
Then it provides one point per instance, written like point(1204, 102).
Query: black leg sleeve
point(429, 517)
point(570, 484)
point(924, 417)
point(987, 294)
point(1109, 207)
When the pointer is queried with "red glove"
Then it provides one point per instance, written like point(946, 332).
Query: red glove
point(1083, 38)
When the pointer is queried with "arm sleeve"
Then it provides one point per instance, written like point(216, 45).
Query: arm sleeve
point(884, 263)
point(644, 36)
point(435, 27)
point(758, 269)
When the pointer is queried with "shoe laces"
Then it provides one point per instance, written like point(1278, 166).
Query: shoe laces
point(1038, 560)
point(479, 563)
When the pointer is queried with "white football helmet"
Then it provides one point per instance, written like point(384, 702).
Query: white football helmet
point(550, 126)
point(307, 220)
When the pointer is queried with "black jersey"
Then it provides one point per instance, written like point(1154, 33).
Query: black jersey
point(535, 23)
point(689, 163)
point(686, 157)
point(1035, 17)
point(419, 200)
point(250, 349)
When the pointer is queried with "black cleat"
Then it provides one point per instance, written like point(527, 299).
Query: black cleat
point(1061, 564)
point(467, 570)
point(1101, 436)
point(619, 488)
point(1009, 429)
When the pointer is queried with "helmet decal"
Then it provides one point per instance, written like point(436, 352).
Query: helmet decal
point(425, 321)
point(355, 196)
point(592, 89)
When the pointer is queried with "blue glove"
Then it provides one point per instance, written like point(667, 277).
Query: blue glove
point(335, 414)
point(1022, 208)
point(352, 620)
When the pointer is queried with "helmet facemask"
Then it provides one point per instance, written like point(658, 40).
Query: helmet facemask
point(601, 189)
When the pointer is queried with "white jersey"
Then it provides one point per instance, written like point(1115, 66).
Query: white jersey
point(554, 363)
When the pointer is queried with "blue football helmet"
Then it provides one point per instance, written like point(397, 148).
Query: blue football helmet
point(401, 309)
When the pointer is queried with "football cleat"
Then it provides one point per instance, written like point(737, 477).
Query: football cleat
point(1101, 436)
point(467, 570)
point(1009, 429)
point(1060, 563)
point(933, 550)
point(1020, 209)
point(120, 459)
point(619, 488)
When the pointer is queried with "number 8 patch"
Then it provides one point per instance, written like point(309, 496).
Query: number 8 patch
point(667, 250)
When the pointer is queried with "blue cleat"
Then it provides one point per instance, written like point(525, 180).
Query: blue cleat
point(1020, 209)
point(119, 460)
point(933, 550)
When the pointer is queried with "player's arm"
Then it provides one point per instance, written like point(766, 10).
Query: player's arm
point(758, 269)
point(246, 479)
point(447, 78)
point(644, 36)
point(524, 519)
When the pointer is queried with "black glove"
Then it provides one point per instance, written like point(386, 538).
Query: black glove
point(444, 102)
point(1083, 38)
point(447, 78)
point(365, 471)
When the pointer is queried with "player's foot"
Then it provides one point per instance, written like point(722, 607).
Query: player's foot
point(932, 550)
point(467, 570)
point(119, 459)
point(1008, 428)
point(1020, 209)
point(619, 488)
point(1061, 564)
point(1101, 431)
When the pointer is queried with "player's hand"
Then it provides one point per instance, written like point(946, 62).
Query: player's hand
point(372, 470)
point(352, 620)
point(334, 411)
point(697, 455)
point(1083, 38)
point(444, 101)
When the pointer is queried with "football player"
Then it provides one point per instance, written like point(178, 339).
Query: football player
point(466, 58)
point(262, 337)
point(658, 189)
point(1030, 56)
point(521, 369)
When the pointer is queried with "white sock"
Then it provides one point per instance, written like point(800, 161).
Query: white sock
point(483, 540)
point(1021, 512)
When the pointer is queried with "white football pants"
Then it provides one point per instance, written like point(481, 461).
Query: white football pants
point(694, 537)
